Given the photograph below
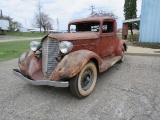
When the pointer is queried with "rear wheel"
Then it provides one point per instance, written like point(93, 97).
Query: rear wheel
point(83, 83)
point(122, 58)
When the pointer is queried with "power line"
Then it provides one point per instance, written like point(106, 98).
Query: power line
point(27, 2)
point(60, 13)
point(1, 14)
point(47, 9)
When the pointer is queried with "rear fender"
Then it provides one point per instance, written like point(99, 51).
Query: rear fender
point(73, 63)
point(121, 46)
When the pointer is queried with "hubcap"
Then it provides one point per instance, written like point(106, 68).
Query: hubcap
point(87, 79)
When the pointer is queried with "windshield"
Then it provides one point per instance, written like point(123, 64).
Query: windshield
point(85, 27)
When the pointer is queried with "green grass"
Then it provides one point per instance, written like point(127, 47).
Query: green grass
point(134, 37)
point(10, 50)
point(119, 36)
point(147, 45)
point(25, 34)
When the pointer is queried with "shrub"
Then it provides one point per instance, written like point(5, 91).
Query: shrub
point(132, 38)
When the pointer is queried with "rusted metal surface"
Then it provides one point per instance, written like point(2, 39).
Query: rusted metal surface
point(90, 19)
point(87, 46)
point(121, 46)
point(30, 66)
point(107, 63)
point(104, 66)
point(74, 36)
point(91, 45)
point(72, 63)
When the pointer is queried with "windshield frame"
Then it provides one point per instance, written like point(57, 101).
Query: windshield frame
point(69, 26)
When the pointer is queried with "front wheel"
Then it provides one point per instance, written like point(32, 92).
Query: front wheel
point(83, 83)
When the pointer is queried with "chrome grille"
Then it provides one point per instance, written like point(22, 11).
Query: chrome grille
point(50, 51)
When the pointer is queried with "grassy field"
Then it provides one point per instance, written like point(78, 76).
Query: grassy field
point(25, 34)
point(10, 50)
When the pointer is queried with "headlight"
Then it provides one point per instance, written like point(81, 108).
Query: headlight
point(34, 45)
point(65, 47)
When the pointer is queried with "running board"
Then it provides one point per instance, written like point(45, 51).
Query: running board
point(112, 60)
point(109, 63)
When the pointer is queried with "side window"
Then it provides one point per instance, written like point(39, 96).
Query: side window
point(107, 27)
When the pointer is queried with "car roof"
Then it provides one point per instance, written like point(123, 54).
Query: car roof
point(91, 19)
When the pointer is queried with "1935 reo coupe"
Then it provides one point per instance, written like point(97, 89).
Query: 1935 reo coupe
point(73, 59)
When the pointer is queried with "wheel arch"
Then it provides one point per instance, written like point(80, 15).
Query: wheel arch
point(94, 60)
point(73, 63)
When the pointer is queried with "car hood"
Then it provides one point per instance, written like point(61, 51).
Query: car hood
point(74, 36)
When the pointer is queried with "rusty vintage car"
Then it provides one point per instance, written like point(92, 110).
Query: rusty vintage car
point(73, 59)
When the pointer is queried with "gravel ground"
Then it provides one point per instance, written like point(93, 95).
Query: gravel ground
point(7, 38)
point(127, 91)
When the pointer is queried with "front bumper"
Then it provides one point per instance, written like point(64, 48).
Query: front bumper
point(41, 82)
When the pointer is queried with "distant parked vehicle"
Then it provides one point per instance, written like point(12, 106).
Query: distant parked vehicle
point(4, 25)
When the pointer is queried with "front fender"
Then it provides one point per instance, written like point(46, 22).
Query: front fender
point(73, 63)
point(30, 66)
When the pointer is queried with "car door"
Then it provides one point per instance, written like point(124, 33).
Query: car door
point(107, 47)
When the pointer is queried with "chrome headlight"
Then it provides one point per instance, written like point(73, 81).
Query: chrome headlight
point(65, 47)
point(34, 45)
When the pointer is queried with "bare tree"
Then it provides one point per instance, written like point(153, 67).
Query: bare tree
point(7, 18)
point(17, 24)
point(103, 13)
point(42, 19)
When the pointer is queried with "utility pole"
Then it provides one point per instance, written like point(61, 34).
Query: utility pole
point(25, 23)
point(39, 10)
point(57, 25)
point(1, 14)
point(92, 8)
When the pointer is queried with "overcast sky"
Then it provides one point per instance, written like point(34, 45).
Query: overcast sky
point(23, 10)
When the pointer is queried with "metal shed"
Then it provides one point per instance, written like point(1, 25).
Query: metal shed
point(150, 21)
point(125, 26)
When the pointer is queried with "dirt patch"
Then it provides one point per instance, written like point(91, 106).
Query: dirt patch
point(7, 38)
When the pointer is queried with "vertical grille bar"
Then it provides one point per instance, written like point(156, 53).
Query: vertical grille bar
point(50, 51)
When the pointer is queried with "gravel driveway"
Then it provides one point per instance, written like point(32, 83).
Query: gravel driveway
point(127, 91)
point(7, 38)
